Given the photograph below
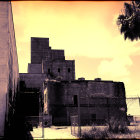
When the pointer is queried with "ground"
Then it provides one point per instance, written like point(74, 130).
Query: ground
point(64, 132)
point(53, 132)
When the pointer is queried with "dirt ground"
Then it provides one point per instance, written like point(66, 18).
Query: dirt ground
point(64, 132)
point(53, 132)
point(134, 132)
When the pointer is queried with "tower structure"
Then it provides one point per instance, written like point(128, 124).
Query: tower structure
point(49, 61)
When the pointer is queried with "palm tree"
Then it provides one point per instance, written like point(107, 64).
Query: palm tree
point(129, 21)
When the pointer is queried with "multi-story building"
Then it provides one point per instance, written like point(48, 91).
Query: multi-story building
point(98, 100)
point(46, 62)
point(63, 95)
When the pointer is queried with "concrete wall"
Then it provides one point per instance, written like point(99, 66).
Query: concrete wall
point(66, 69)
point(103, 97)
point(52, 60)
point(39, 49)
point(98, 98)
point(35, 68)
point(8, 62)
point(32, 80)
point(58, 54)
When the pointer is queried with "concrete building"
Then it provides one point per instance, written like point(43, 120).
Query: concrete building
point(55, 77)
point(46, 62)
point(9, 75)
point(98, 100)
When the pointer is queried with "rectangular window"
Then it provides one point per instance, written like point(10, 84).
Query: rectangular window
point(58, 69)
point(68, 69)
point(75, 100)
point(93, 117)
point(49, 70)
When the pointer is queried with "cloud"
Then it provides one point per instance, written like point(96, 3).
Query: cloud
point(79, 34)
point(116, 68)
point(86, 29)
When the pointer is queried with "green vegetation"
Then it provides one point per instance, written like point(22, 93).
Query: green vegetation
point(95, 133)
point(116, 127)
point(129, 20)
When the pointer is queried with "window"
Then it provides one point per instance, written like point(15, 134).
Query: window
point(58, 69)
point(49, 70)
point(75, 99)
point(68, 69)
point(93, 117)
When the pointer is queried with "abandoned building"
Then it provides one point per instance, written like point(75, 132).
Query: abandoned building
point(54, 77)
point(49, 88)
point(98, 100)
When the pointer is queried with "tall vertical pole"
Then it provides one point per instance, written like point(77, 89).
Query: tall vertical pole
point(43, 125)
point(79, 116)
point(88, 110)
point(108, 109)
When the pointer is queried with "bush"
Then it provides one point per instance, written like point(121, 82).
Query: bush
point(95, 133)
point(117, 125)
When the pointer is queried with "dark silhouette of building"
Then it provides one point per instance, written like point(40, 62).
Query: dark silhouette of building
point(98, 101)
point(46, 62)
point(62, 94)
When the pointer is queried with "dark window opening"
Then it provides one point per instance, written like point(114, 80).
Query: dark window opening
point(93, 117)
point(10, 95)
point(49, 70)
point(22, 85)
point(75, 100)
point(68, 69)
point(58, 69)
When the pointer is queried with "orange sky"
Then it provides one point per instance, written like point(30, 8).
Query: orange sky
point(88, 33)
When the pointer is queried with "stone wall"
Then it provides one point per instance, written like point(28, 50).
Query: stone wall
point(64, 69)
point(34, 68)
point(49, 61)
point(8, 63)
point(32, 80)
point(98, 99)
point(58, 55)
point(39, 49)
point(55, 103)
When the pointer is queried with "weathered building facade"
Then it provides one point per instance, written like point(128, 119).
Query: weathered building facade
point(98, 100)
point(9, 76)
point(46, 63)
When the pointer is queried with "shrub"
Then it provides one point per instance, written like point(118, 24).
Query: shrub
point(95, 133)
point(117, 125)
